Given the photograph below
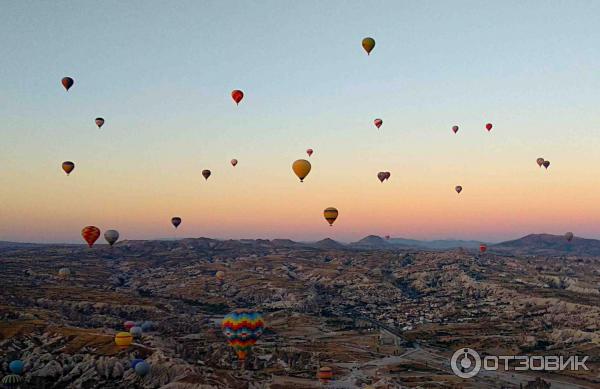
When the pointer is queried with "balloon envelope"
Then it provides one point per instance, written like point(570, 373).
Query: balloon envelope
point(68, 167)
point(488, 126)
point(128, 325)
point(99, 122)
point(330, 215)
point(309, 152)
point(458, 188)
point(90, 234)
point(455, 129)
point(135, 362)
point(234, 162)
point(206, 173)
point(301, 167)
point(176, 221)
point(220, 275)
point(64, 272)
point(136, 331)
point(123, 339)
point(142, 368)
point(368, 44)
point(482, 248)
point(569, 236)
point(382, 176)
point(325, 374)
point(237, 96)
point(378, 122)
point(546, 164)
point(540, 161)
point(16, 366)
point(242, 328)
point(111, 236)
point(67, 82)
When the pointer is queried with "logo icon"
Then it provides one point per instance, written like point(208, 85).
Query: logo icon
point(465, 363)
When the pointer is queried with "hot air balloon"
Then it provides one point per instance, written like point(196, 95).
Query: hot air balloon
point(368, 44)
point(128, 325)
point(237, 96)
point(242, 328)
point(64, 272)
point(67, 82)
point(220, 275)
point(382, 176)
point(234, 162)
point(176, 221)
point(330, 215)
point(378, 122)
point(68, 167)
point(16, 366)
point(99, 122)
point(135, 361)
point(90, 234)
point(483, 248)
point(569, 236)
point(455, 129)
point(309, 152)
point(136, 331)
point(111, 236)
point(540, 161)
point(147, 326)
point(123, 339)
point(546, 164)
point(325, 374)
point(11, 381)
point(488, 126)
point(142, 368)
point(206, 173)
point(301, 167)
point(387, 237)
point(458, 188)
point(388, 175)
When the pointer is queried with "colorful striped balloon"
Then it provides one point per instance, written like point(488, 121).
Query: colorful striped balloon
point(242, 328)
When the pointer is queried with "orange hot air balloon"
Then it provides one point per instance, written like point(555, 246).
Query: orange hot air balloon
point(458, 188)
point(99, 122)
point(309, 152)
point(123, 339)
point(234, 162)
point(325, 374)
point(206, 173)
point(330, 215)
point(455, 129)
point(488, 126)
point(368, 44)
point(237, 96)
point(68, 167)
point(67, 82)
point(483, 248)
point(378, 122)
point(90, 234)
point(301, 167)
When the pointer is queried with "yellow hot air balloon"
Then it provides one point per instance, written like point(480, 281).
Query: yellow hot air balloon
point(368, 44)
point(123, 339)
point(330, 215)
point(301, 167)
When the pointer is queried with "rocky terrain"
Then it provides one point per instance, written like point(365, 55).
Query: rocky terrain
point(379, 314)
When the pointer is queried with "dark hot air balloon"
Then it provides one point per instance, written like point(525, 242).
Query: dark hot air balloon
point(234, 162)
point(458, 188)
point(378, 122)
point(382, 176)
point(176, 221)
point(455, 129)
point(67, 82)
point(309, 152)
point(368, 44)
point(237, 96)
point(488, 126)
point(547, 164)
point(330, 215)
point(540, 162)
point(99, 122)
point(68, 167)
point(569, 236)
point(111, 236)
point(206, 173)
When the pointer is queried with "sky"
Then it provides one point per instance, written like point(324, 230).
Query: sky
point(161, 73)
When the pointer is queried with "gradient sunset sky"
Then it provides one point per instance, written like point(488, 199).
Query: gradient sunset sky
point(161, 74)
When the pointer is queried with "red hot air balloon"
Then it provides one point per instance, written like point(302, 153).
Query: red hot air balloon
point(378, 122)
point(482, 248)
point(206, 173)
point(455, 129)
point(237, 96)
point(382, 176)
point(488, 126)
point(90, 234)
point(309, 152)
point(67, 82)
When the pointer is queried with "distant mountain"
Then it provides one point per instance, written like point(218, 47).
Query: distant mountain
point(546, 244)
point(328, 243)
point(436, 244)
point(371, 242)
